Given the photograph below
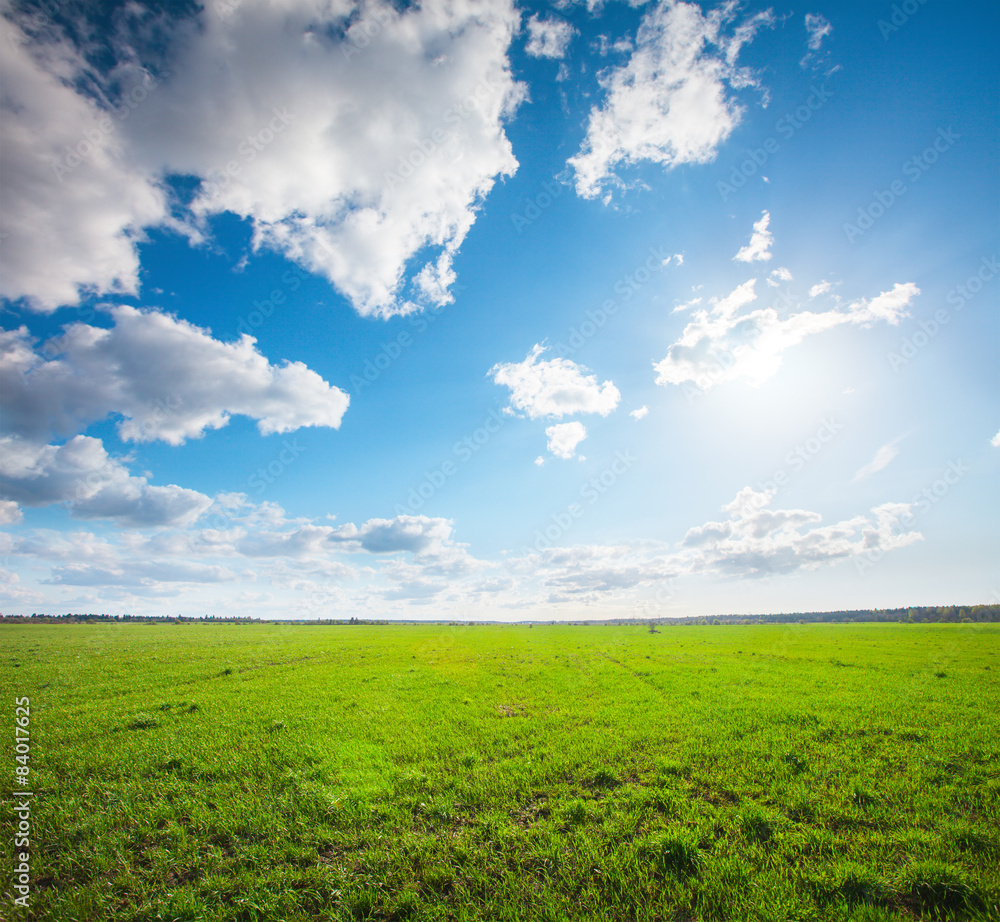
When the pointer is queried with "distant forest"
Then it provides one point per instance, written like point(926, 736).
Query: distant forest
point(923, 614)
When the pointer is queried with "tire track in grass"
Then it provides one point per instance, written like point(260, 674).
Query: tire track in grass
point(635, 675)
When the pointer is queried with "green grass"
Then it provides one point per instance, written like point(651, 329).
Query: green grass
point(244, 772)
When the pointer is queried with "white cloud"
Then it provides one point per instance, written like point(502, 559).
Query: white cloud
point(303, 541)
point(779, 275)
point(757, 541)
point(882, 459)
point(92, 484)
point(818, 28)
point(258, 546)
point(759, 247)
point(394, 134)
point(820, 288)
point(12, 593)
point(721, 344)
point(73, 199)
point(686, 305)
point(726, 308)
point(358, 139)
point(139, 574)
point(669, 104)
point(564, 437)
point(593, 6)
point(281, 567)
point(539, 461)
point(167, 378)
point(641, 413)
point(413, 590)
point(417, 534)
point(10, 512)
point(60, 546)
point(590, 573)
point(752, 541)
point(436, 564)
point(889, 306)
point(554, 387)
point(548, 38)
point(241, 549)
point(995, 441)
point(603, 45)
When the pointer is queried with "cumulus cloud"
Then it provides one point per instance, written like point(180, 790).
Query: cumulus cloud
point(10, 513)
point(392, 141)
point(820, 288)
point(357, 139)
point(74, 201)
point(995, 441)
point(139, 574)
point(92, 484)
point(641, 413)
point(437, 561)
point(426, 577)
point(889, 306)
point(13, 593)
point(752, 540)
point(670, 103)
point(282, 565)
point(882, 459)
point(293, 566)
point(257, 546)
point(548, 38)
point(759, 247)
point(167, 378)
point(590, 573)
point(303, 541)
point(722, 344)
point(564, 437)
point(755, 540)
point(413, 590)
point(779, 275)
point(554, 387)
point(59, 546)
point(418, 534)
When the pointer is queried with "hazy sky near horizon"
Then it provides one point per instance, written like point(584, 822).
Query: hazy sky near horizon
point(480, 309)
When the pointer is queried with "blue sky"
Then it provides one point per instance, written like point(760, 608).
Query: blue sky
point(483, 310)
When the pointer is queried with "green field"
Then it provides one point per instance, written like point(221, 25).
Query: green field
point(238, 772)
